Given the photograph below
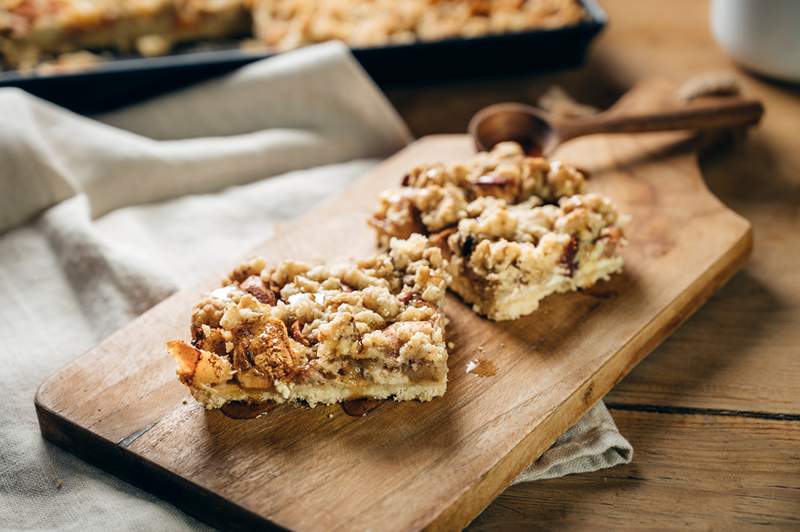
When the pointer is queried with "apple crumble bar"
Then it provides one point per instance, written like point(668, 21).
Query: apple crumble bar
point(37, 32)
point(286, 24)
point(513, 228)
point(317, 334)
point(33, 30)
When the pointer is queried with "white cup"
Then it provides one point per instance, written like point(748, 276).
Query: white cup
point(761, 35)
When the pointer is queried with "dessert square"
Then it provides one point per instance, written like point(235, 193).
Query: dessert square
point(317, 334)
point(63, 35)
point(514, 229)
point(33, 30)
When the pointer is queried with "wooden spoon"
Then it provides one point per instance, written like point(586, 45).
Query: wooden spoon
point(540, 134)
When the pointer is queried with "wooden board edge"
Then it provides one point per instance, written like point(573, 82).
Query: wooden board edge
point(474, 500)
point(218, 511)
point(197, 501)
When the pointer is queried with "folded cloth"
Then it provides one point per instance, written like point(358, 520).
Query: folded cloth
point(122, 211)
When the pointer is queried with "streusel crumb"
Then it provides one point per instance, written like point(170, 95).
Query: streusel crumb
point(436, 196)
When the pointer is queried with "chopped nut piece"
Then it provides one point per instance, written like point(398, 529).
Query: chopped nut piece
point(255, 286)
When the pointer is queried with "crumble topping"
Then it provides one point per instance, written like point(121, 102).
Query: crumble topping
point(513, 228)
point(534, 240)
point(268, 328)
point(436, 196)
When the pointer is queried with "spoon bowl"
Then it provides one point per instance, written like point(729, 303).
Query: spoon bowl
point(524, 124)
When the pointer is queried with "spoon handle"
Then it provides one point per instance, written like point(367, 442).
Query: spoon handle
point(719, 115)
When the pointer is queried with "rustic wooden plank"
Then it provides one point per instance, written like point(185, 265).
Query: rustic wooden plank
point(696, 472)
point(408, 465)
point(740, 351)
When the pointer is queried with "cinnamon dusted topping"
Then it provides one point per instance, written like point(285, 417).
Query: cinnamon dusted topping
point(378, 320)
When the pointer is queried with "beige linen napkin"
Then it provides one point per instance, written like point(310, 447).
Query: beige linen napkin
point(101, 219)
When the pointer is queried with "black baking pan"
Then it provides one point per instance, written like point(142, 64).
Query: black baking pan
point(123, 80)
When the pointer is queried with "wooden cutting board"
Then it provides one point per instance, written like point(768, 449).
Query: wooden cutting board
point(410, 465)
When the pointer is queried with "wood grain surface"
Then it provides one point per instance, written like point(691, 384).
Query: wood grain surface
point(410, 465)
point(738, 355)
point(689, 472)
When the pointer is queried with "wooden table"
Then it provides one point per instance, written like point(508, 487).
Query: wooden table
point(714, 412)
